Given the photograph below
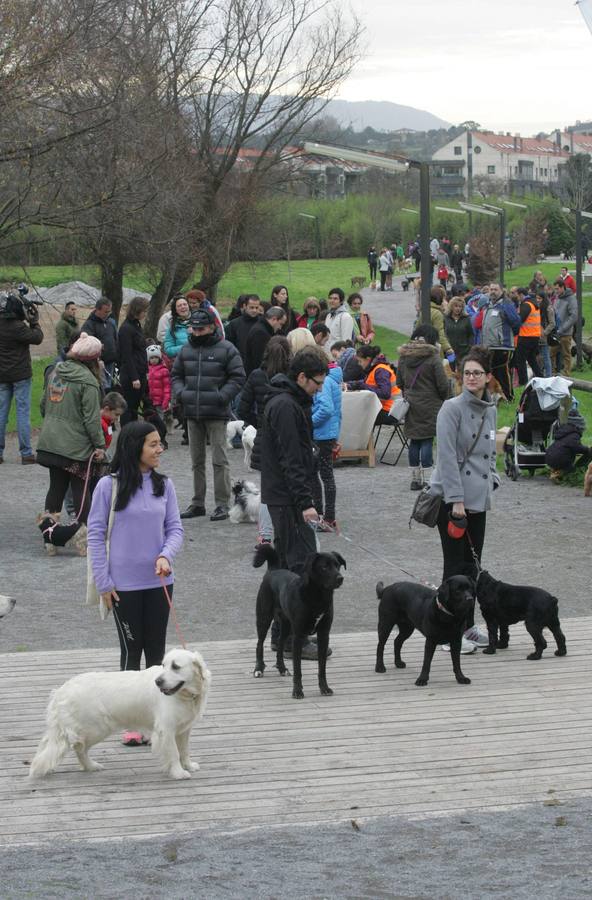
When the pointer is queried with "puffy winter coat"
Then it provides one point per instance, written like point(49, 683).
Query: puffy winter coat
point(159, 385)
point(207, 376)
point(251, 407)
point(16, 337)
point(326, 407)
point(287, 460)
point(561, 454)
point(133, 363)
point(421, 377)
point(174, 341)
point(72, 423)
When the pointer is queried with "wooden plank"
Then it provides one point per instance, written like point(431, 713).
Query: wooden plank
point(379, 745)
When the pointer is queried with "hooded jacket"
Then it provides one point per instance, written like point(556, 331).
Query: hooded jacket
point(437, 321)
point(287, 459)
point(326, 406)
point(259, 336)
point(251, 407)
point(174, 341)
point(460, 333)
point(159, 385)
point(106, 331)
point(457, 427)
point(16, 337)
point(340, 325)
point(421, 377)
point(72, 424)
point(561, 454)
point(207, 377)
point(566, 311)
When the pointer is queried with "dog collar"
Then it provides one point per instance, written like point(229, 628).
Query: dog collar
point(443, 608)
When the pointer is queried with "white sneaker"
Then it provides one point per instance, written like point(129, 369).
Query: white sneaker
point(466, 646)
point(477, 636)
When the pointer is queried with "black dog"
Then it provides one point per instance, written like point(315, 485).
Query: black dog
point(302, 605)
point(505, 604)
point(439, 615)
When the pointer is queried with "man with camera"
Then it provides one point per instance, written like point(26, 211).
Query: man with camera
point(19, 328)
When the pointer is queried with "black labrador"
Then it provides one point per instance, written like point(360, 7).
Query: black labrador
point(505, 604)
point(439, 615)
point(302, 604)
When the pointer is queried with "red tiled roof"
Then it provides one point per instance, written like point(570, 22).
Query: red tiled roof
point(505, 144)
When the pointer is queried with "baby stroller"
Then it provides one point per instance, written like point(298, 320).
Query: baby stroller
point(536, 418)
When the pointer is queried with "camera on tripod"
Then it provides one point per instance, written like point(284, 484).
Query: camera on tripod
point(16, 304)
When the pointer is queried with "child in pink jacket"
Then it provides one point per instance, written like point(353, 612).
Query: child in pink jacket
point(159, 379)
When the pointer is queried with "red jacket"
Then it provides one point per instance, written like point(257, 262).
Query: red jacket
point(159, 385)
point(107, 431)
point(570, 282)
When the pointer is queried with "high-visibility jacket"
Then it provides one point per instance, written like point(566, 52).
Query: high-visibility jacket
point(532, 326)
point(371, 382)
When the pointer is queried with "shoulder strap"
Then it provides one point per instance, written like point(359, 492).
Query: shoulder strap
point(474, 444)
point(112, 510)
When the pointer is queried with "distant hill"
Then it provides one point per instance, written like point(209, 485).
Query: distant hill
point(382, 115)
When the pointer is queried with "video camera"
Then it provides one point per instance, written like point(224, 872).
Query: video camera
point(17, 305)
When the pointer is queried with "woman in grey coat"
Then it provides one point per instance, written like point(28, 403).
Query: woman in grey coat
point(421, 377)
point(466, 429)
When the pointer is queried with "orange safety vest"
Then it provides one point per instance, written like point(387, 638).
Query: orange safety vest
point(532, 326)
point(371, 382)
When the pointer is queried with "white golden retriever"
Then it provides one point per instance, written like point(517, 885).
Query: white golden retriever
point(164, 700)
point(7, 604)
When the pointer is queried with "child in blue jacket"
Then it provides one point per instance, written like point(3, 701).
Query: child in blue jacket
point(326, 423)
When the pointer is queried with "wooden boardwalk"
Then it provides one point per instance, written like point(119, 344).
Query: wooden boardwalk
point(519, 734)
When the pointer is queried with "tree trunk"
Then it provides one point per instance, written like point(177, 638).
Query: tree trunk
point(112, 284)
point(172, 279)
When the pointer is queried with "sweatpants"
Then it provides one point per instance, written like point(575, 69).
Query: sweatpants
point(141, 618)
point(458, 559)
point(59, 482)
point(325, 478)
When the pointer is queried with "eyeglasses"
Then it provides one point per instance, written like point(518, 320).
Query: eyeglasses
point(318, 383)
point(473, 373)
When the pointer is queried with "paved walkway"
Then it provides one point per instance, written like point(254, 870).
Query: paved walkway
point(393, 309)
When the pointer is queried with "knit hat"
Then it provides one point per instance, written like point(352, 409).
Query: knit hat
point(153, 351)
point(86, 347)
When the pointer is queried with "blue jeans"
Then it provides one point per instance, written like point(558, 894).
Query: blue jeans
point(547, 367)
point(21, 391)
point(421, 452)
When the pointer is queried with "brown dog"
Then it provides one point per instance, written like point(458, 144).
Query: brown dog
point(588, 482)
point(358, 281)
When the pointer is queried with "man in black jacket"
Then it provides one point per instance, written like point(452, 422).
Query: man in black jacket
point(101, 325)
point(208, 373)
point(287, 460)
point(238, 329)
point(19, 328)
point(260, 335)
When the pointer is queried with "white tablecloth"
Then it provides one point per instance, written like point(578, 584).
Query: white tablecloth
point(359, 410)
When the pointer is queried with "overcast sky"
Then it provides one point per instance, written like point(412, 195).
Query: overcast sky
point(515, 65)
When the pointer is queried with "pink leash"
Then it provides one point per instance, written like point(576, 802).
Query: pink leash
point(173, 613)
point(86, 481)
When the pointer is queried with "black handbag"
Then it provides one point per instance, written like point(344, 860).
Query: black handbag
point(427, 506)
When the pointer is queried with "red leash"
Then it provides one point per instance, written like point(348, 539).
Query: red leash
point(86, 481)
point(173, 613)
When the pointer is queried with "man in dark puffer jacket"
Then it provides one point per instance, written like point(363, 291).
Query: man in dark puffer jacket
point(208, 373)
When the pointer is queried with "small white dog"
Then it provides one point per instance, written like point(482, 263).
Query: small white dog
point(233, 429)
point(7, 604)
point(247, 500)
point(249, 435)
point(164, 700)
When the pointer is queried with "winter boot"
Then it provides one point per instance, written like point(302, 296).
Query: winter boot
point(416, 484)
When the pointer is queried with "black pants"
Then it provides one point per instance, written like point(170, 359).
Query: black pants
point(325, 478)
point(500, 369)
point(293, 538)
point(133, 398)
point(458, 559)
point(59, 482)
point(141, 618)
point(373, 268)
point(383, 280)
point(527, 352)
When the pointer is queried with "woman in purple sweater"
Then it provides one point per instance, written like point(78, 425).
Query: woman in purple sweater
point(146, 535)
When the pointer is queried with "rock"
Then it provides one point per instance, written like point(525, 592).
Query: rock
point(80, 293)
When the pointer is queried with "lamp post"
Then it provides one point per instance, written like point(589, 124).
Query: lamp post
point(395, 165)
point(317, 231)
point(579, 214)
point(501, 215)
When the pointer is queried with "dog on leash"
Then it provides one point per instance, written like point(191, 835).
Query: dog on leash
point(234, 429)
point(358, 281)
point(249, 435)
point(439, 615)
point(302, 604)
point(165, 700)
point(7, 605)
point(246, 502)
point(503, 605)
point(588, 481)
point(56, 535)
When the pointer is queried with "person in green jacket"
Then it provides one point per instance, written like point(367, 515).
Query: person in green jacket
point(66, 326)
point(71, 432)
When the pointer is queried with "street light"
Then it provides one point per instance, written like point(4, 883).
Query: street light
point(317, 231)
point(458, 212)
point(579, 214)
point(513, 203)
point(398, 164)
point(488, 210)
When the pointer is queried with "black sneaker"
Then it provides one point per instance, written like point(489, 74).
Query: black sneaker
point(221, 512)
point(192, 512)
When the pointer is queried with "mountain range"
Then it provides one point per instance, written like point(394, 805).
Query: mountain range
point(381, 115)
